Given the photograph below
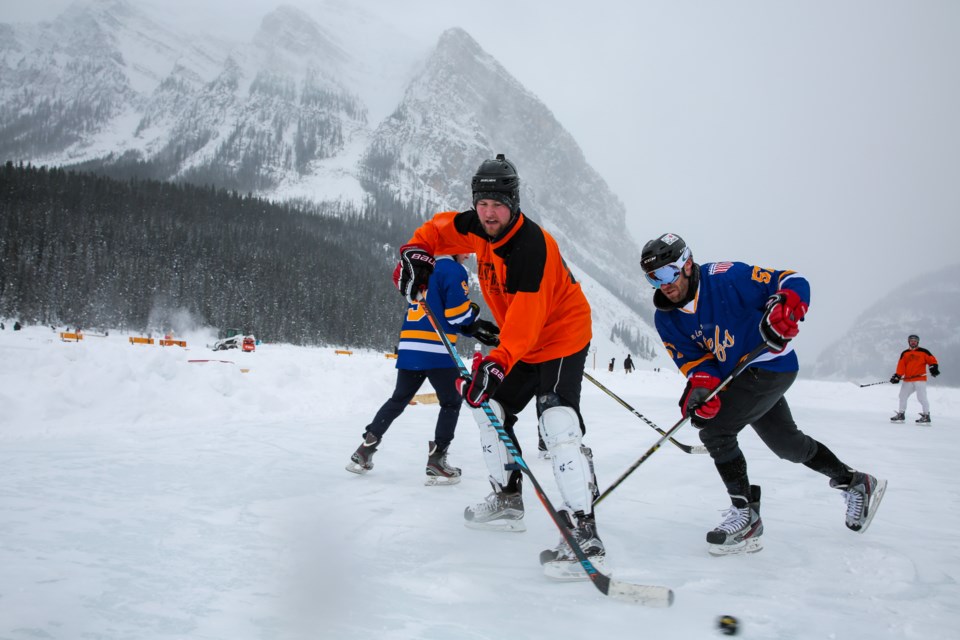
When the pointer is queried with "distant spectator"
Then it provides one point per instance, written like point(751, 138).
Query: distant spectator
point(17, 326)
point(613, 361)
point(628, 365)
point(912, 369)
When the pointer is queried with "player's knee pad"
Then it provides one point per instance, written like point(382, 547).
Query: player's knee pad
point(495, 454)
point(560, 428)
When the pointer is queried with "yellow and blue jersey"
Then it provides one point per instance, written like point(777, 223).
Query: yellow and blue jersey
point(448, 296)
point(721, 324)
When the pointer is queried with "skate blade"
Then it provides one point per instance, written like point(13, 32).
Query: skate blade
point(874, 503)
point(571, 570)
point(750, 545)
point(515, 526)
point(353, 467)
point(437, 481)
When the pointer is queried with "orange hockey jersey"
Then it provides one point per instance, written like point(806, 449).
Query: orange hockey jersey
point(912, 366)
point(538, 304)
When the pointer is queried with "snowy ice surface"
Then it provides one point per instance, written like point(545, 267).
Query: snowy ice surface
point(146, 496)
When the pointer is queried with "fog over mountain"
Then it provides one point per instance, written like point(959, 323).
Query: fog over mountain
point(928, 306)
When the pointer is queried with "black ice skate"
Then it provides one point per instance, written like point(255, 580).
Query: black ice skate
point(561, 563)
point(924, 420)
point(898, 418)
point(438, 471)
point(500, 511)
point(362, 459)
point(863, 495)
point(741, 529)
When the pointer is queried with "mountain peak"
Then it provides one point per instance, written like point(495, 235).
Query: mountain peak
point(103, 12)
point(291, 30)
point(457, 42)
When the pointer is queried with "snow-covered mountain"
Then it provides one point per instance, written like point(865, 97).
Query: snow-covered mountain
point(465, 106)
point(928, 306)
point(288, 116)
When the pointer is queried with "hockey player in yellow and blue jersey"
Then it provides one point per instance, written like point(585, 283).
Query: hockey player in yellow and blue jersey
point(422, 356)
point(709, 317)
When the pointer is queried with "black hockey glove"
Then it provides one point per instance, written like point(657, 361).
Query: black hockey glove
point(412, 274)
point(894, 379)
point(483, 331)
point(934, 370)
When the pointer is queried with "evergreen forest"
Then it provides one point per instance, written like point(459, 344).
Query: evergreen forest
point(85, 250)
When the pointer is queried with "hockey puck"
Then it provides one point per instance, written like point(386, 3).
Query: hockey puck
point(728, 625)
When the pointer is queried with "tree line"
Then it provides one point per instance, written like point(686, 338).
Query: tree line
point(86, 250)
point(637, 343)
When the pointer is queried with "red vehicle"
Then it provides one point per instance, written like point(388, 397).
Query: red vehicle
point(249, 343)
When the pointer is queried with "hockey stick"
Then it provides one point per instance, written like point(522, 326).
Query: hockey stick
point(874, 383)
point(733, 374)
point(652, 596)
point(686, 448)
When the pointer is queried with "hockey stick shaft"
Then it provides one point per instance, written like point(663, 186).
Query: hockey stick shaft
point(648, 595)
point(737, 371)
point(686, 448)
point(874, 383)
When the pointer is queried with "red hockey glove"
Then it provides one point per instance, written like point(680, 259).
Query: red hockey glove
point(699, 386)
point(779, 322)
point(486, 378)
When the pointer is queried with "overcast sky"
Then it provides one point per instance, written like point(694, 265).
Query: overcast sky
point(816, 135)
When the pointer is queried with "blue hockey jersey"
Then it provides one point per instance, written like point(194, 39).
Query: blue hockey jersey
point(720, 326)
point(447, 294)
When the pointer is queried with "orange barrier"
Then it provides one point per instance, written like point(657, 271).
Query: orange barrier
point(167, 342)
point(71, 337)
point(392, 356)
point(343, 352)
point(135, 340)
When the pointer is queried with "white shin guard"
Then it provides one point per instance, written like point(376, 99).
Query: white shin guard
point(495, 453)
point(560, 429)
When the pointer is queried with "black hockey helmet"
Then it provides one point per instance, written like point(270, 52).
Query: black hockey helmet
point(662, 259)
point(913, 336)
point(667, 249)
point(497, 180)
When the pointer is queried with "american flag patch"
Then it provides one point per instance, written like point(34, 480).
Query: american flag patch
point(720, 267)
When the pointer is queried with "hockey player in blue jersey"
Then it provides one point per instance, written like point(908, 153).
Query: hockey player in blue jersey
point(709, 317)
point(422, 356)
